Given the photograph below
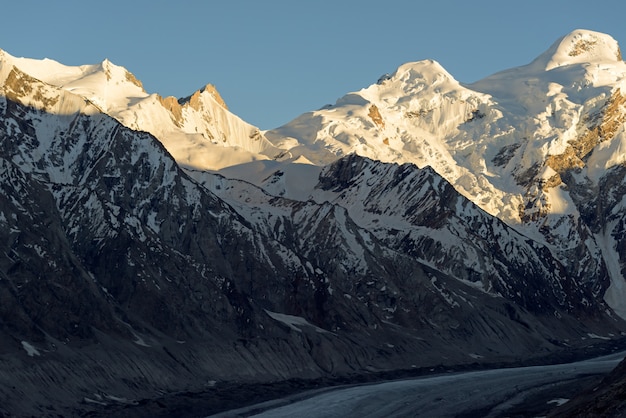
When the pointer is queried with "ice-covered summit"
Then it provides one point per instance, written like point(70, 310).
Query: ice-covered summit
point(580, 46)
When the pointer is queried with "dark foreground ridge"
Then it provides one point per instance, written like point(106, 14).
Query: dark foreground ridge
point(606, 398)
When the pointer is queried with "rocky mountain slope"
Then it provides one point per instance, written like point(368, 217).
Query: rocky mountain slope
point(152, 245)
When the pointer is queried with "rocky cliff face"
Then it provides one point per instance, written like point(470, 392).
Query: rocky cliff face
point(125, 270)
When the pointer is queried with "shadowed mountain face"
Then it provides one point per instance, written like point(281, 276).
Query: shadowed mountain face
point(121, 275)
point(125, 277)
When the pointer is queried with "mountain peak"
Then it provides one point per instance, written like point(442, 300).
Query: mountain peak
point(580, 46)
point(425, 71)
point(210, 90)
point(118, 73)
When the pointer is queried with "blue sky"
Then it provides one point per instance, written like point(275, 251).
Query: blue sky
point(273, 60)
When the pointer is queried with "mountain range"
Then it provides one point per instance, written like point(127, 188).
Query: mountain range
point(156, 245)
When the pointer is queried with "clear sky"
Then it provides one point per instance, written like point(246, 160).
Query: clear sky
point(274, 59)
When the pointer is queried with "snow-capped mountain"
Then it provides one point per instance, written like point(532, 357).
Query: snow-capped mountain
point(486, 138)
point(533, 145)
point(419, 222)
point(197, 130)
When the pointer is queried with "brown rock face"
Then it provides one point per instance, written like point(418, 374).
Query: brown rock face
point(376, 117)
point(603, 127)
point(171, 104)
point(132, 79)
point(19, 85)
point(582, 46)
point(176, 106)
point(597, 128)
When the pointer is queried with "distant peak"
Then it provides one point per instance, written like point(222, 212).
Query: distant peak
point(209, 89)
point(580, 46)
point(416, 75)
point(112, 71)
point(107, 66)
point(425, 72)
point(428, 65)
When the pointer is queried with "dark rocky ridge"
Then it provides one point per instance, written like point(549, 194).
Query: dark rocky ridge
point(605, 399)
